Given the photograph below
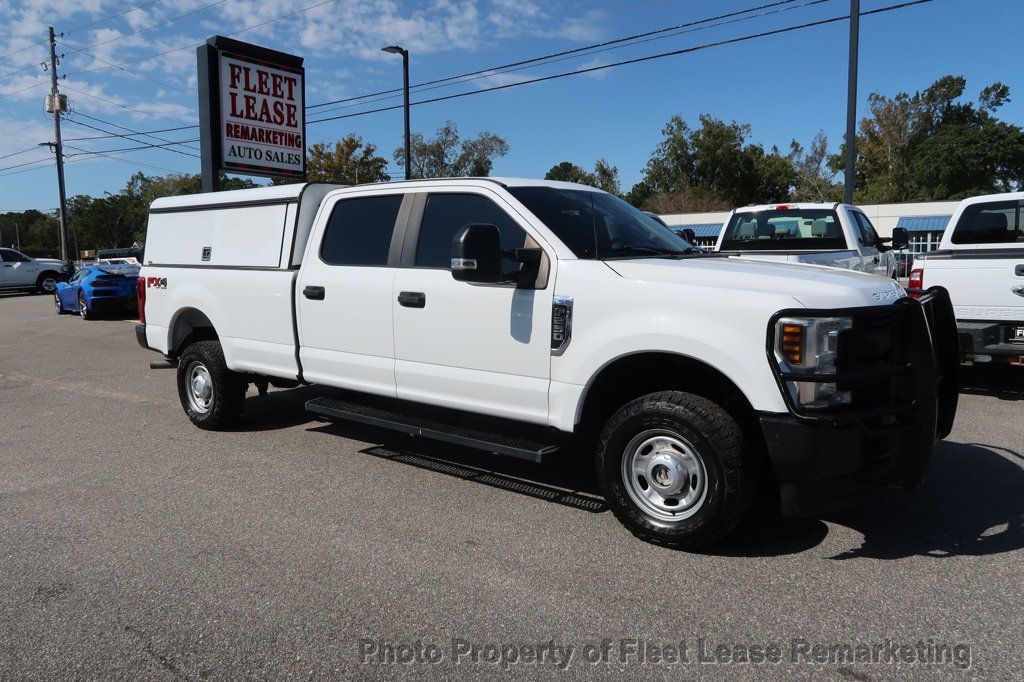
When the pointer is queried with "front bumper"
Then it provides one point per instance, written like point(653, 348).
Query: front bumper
point(904, 402)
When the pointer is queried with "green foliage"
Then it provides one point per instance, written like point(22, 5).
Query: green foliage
point(933, 145)
point(709, 168)
point(350, 161)
point(447, 155)
point(604, 176)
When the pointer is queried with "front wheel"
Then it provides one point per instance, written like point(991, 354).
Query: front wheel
point(57, 304)
point(46, 283)
point(674, 469)
point(212, 395)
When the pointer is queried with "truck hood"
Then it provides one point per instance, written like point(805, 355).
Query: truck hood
point(813, 286)
point(49, 262)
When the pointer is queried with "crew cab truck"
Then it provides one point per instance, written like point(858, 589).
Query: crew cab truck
point(980, 260)
point(18, 271)
point(522, 316)
point(836, 235)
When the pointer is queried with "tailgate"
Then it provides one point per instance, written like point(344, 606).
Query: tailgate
point(985, 286)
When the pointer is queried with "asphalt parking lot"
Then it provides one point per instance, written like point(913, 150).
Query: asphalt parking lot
point(133, 544)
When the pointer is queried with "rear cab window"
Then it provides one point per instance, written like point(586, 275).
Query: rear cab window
point(784, 229)
point(995, 222)
point(359, 231)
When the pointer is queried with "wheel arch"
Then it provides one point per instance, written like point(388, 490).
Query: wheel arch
point(187, 326)
point(634, 374)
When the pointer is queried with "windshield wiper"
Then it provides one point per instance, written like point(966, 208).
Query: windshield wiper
point(638, 249)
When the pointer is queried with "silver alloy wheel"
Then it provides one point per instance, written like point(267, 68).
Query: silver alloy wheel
point(664, 475)
point(56, 303)
point(49, 284)
point(199, 387)
point(83, 309)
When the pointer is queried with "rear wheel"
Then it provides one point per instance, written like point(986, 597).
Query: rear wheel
point(674, 470)
point(211, 394)
point(57, 304)
point(83, 308)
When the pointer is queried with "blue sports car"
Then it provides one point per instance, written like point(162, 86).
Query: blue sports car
point(98, 288)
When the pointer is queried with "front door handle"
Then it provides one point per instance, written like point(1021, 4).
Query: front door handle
point(1019, 270)
point(314, 293)
point(876, 260)
point(412, 299)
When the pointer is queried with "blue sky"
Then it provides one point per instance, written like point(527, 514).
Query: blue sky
point(786, 86)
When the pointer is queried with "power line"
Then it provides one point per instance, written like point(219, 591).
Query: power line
point(122, 127)
point(23, 151)
point(135, 149)
point(17, 71)
point(8, 94)
point(560, 54)
point(637, 60)
point(156, 25)
point(131, 138)
point(121, 68)
point(115, 158)
point(494, 69)
point(128, 108)
point(27, 163)
point(98, 21)
point(675, 31)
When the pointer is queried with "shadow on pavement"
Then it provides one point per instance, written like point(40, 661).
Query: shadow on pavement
point(999, 381)
point(971, 503)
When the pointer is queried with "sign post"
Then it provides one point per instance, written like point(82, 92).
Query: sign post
point(252, 111)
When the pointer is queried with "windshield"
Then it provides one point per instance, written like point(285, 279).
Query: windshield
point(599, 225)
point(773, 230)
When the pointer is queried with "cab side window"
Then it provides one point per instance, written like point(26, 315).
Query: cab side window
point(8, 256)
point(359, 231)
point(866, 234)
point(446, 214)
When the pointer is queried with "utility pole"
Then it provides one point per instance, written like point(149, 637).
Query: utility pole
point(58, 104)
point(851, 104)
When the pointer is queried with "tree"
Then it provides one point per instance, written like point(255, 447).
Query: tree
point(447, 155)
point(605, 176)
point(350, 162)
point(933, 145)
point(711, 167)
point(815, 179)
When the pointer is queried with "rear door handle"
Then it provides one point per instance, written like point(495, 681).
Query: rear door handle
point(412, 299)
point(314, 293)
point(1019, 270)
point(876, 260)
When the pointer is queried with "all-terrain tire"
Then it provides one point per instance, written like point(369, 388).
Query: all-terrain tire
point(705, 453)
point(212, 395)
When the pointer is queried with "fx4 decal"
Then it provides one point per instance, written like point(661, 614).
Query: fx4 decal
point(156, 282)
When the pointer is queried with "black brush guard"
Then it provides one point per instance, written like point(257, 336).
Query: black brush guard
point(901, 364)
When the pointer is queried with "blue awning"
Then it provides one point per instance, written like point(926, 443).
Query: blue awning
point(702, 230)
point(924, 223)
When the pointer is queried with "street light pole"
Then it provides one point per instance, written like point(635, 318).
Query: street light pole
point(396, 49)
point(851, 104)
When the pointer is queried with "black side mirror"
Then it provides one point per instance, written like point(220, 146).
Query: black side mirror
point(690, 236)
point(476, 254)
point(900, 238)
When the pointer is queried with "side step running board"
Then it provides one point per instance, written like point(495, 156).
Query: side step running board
point(428, 427)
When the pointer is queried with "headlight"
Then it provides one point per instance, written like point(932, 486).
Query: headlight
point(807, 345)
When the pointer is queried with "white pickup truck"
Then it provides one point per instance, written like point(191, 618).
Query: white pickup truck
point(837, 235)
point(523, 316)
point(18, 271)
point(980, 260)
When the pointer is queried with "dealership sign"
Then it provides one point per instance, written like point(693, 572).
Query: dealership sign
point(252, 111)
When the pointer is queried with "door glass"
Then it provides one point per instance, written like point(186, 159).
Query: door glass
point(9, 256)
point(866, 234)
point(446, 214)
point(359, 231)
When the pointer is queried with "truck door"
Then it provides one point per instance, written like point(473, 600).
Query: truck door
point(17, 269)
point(344, 296)
point(481, 348)
point(873, 260)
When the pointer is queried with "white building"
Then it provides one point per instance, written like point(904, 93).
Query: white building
point(925, 222)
